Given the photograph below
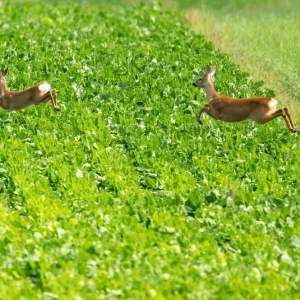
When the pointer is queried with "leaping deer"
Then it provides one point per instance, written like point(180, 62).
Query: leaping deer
point(225, 108)
point(35, 95)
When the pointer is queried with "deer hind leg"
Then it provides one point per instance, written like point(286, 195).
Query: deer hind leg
point(53, 97)
point(211, 112)
point(284, 112)
point(50, 95)
point(287, 112)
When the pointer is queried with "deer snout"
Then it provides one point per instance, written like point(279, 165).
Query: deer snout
point(194, 84)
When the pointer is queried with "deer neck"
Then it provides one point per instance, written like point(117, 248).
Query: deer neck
point(210, 90)
point(3, 87)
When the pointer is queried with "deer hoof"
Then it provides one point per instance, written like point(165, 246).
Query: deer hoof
point(294, 130)
point(56, 108)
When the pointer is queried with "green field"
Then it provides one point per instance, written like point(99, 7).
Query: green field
point(122, 195)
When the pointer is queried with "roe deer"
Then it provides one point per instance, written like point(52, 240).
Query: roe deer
point(35, 95)
point(225, 108)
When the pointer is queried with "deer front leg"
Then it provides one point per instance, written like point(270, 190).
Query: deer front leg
point(200, 112)
point(207, 109)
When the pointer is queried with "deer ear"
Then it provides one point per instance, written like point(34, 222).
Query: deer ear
point(4, 71)
point(207, 69)
point(213, 71)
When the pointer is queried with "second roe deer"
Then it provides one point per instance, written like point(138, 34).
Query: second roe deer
point(228, 109)
point(35, 95)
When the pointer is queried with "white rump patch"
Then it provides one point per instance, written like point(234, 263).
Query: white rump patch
point(273, 103)
point(44, 87)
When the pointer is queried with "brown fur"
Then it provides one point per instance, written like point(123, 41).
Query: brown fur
point(227, 109)
point(16, 100)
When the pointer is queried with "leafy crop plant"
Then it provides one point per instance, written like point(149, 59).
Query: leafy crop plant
point(122, 195)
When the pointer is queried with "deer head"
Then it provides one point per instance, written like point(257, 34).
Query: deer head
point(205, 80)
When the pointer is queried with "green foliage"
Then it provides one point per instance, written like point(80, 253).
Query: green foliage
point(122, 195)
